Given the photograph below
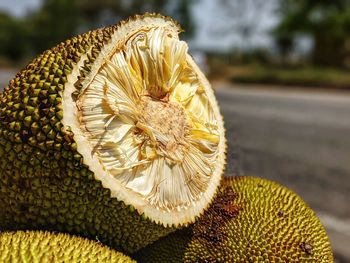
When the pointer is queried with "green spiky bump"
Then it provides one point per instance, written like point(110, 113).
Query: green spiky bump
point(114, 134)
point(38, 246)
point(250, 220)
point(170, 249)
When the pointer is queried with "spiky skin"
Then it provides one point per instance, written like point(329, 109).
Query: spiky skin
point(170, 249)
point(250, 220)
point(38, 246)
point(44, 183)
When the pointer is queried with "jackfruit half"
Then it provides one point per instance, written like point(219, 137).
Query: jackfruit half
point(250, 220)
point(38, 246)
point(115, 133)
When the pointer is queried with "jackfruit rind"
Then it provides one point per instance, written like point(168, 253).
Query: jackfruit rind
point(50, 177)
point(39, 246)
point(256, 220)
point(250, 220)
point(169, 249)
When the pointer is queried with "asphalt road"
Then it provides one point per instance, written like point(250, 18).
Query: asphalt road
point(298, 138)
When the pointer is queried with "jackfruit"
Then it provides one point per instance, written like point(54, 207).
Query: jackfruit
point(250, 220)
point(38, 246)
point(114, 133)
point(169, 249)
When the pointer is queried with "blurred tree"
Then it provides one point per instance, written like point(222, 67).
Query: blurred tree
point(285, 43)
point(181, 11)
point(53, 23)
point(58, 20)
point(12, 37)
point(327, 22)
point(103, 12)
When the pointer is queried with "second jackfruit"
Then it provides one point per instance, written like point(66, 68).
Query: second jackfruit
point(250, 220)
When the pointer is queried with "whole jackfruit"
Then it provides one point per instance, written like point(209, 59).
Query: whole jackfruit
point(169, 249)
point(38, 246)
point(115, 133)
point(250, 220)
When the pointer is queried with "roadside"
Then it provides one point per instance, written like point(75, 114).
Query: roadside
point(310, 77)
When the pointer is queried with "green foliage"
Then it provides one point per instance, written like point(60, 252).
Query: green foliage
point(58, 20)
point(93, 12)
point(328, 22)
point(183, 14)
point(301, 76)
point(12, 37)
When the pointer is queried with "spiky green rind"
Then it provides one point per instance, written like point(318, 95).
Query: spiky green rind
point(38, 246)
point(170, 249)
point(44, 183)
point(256, 220)
point(250, 220)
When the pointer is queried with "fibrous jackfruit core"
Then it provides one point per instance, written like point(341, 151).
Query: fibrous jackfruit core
point(148, 118)
point(162, 117)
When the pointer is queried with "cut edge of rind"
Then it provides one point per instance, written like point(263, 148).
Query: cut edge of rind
point(174, 218)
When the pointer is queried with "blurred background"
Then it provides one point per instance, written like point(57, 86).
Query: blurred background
point(280, 69)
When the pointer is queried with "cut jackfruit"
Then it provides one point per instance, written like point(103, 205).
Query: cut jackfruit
point(38, 246)
point(250, 220)
point(115, 133)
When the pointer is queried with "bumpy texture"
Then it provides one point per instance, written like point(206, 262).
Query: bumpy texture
point(43, 181)
point(88, 141)
point(251, 220)
point(169, 249)
point(38, 246)
point(255, 220)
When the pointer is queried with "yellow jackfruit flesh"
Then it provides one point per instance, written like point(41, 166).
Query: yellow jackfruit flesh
point(115, 133)
point(250, 220)
point(38, 246)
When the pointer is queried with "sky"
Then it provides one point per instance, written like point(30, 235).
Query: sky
point(19, 7)
point(227, 24)
point(221, 24)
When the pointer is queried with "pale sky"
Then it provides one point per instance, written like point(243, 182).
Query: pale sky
point(19, 7)
point(220, 23)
